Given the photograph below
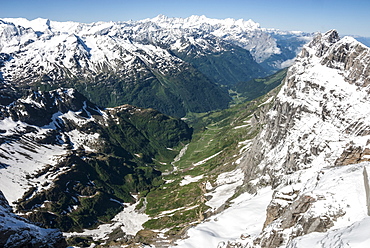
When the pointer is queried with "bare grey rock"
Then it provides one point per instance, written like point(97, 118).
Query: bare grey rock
point(16, 232)
point(275, 153)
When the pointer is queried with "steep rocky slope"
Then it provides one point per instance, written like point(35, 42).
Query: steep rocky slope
point(319, 121)
point(305, 174)
point(19, 232)
point(320, 113)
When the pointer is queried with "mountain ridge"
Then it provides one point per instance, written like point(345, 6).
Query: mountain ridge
point(144, 63)
point(18, 232)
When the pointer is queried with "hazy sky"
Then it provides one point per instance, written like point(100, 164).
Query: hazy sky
point(348, 17)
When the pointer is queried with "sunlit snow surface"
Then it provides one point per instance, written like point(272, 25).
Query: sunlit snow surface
point(226, 185)
point(48, 45)
point(354, 236)
point(339, 188)
point(246, 215)
point(343, 188)
point(129, 221)
point(22, 159)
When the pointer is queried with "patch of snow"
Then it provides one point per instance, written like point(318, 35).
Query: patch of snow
point(355, 235)
point(245, 215)
point(179, 156)
point(267, 101)
point(23, 159)
point(172, 211)
point(129, 220)
point(206, 159)
point(80, 139)
point(340, 188)
point(189, 179)
point(242, 126)
point(226, 185)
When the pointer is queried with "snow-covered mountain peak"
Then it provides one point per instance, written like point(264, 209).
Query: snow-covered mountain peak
point(41, 53)
point(321, 43)
point(38, 24)
point(43, 46)
point(196, 21)
point(348, 56)
point(330, 37)
point(42, 108)
point(243, 33)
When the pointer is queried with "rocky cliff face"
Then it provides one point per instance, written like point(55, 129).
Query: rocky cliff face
point(320, 120)
point(19, 232)
point(321, 111)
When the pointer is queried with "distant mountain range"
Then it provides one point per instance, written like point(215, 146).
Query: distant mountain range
point(174, 65)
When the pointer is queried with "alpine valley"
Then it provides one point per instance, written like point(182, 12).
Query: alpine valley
point(272, 148)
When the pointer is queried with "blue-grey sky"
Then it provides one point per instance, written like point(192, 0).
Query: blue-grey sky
point(350, 17)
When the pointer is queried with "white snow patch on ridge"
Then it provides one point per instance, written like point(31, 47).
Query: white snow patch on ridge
point(189, 179)
point(342, 188)
point(206, 159)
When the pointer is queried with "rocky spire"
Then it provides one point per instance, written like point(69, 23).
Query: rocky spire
point(322, 42)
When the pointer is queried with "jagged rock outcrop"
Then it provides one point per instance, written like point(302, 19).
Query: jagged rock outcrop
point(38, 108)
point(16, 232)
point(367, 190)
point(320, 119)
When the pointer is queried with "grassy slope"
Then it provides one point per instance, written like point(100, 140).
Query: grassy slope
point(214, 132)
point(257, 87)
point(227, 67)
point(175, 93)
point(174, 208)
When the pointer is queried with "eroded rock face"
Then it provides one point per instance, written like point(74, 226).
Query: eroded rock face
point(316, 109)
point(320, 119)
point(18, 232)
point(289, 215)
